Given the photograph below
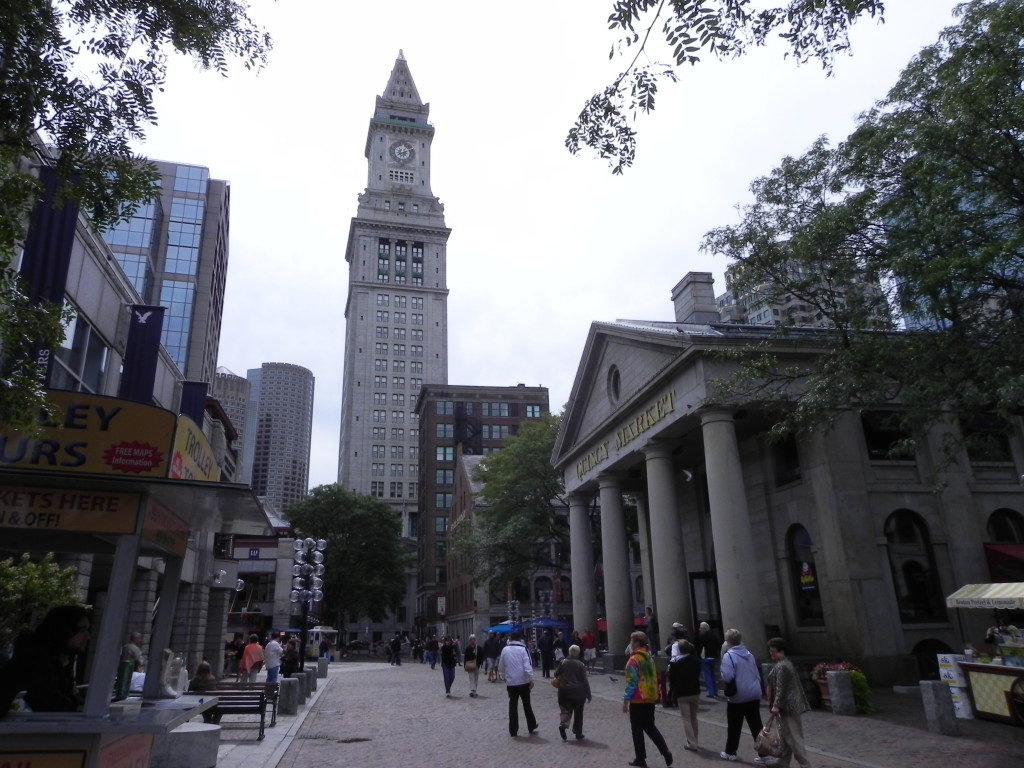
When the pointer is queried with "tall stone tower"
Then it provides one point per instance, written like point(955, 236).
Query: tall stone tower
point(396, 315)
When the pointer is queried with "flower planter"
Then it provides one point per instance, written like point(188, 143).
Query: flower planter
point(826, 697)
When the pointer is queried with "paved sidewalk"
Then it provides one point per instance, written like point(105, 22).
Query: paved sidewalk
point(372, 715)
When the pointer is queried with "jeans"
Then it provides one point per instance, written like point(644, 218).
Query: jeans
point(707, 668)
point(272, 674)
point(641, 721)
point(449, 677)
point(735, 714)
point(515, 693)
point(431, 658)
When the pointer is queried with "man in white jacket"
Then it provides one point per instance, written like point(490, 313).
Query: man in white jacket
point(517, 668)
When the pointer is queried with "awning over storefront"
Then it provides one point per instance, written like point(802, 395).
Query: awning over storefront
point(1008, 596)
point(1005, 562)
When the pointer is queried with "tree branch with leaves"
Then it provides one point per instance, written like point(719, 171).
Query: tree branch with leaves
point(686, 30)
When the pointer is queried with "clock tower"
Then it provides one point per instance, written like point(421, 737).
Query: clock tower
point(396, 313)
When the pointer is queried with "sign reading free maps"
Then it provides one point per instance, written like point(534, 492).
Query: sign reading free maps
point(96, 435)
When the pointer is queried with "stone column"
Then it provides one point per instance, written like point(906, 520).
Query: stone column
point(739, 582)
point(671, 578)
point(618, 596)
point(581, 558)
point(646, 566)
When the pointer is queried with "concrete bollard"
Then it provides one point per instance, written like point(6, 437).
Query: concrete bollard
point(840, 690)
point(938, 708)
point(312, 673)
point(300, 689)
point(321, 667)
point(288, 697)
point(306, 692)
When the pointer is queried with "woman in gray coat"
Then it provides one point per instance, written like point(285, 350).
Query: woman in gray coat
point(573, 691)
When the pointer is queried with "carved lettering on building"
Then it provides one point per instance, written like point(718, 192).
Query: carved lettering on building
point(650, 416)
point(591, 460)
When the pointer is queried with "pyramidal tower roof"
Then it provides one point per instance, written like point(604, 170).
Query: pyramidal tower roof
point(400, 99)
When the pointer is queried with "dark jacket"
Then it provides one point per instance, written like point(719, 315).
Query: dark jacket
point(573, 684)
point(685, 675)
point(709, 643)
point(473, 653)
point(449, 656)
point(492, 647)
point(36, 668)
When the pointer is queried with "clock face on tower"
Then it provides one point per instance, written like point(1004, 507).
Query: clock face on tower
point(402, 151)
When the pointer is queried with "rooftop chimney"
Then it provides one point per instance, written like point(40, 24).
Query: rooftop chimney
point(694, 299)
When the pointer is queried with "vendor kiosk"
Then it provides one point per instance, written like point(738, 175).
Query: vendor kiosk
point(996, 682)
point(114, 479)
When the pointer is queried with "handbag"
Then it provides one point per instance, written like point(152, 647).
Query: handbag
point(730, 688)
point(770, 742)
point(556, 681)
point(470, 666)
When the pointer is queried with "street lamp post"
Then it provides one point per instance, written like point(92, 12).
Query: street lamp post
point(307, 585)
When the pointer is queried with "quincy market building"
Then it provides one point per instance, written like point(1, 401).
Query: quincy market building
point(823, 540)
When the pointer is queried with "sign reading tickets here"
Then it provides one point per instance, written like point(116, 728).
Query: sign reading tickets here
point(64, 509)
point(96, 435)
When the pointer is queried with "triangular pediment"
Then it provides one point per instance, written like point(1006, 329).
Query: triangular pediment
point(617, 363)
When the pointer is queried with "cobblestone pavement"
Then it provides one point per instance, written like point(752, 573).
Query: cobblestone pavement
point(372, 715)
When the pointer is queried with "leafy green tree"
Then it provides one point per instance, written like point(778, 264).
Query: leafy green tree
point(28, 589)
point(688, 29)
point(925, 198)
point(521, 497)
point(365, 559)
point(80, 77)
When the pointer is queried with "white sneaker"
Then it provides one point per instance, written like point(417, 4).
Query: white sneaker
point(764, 760)
point(727, 756)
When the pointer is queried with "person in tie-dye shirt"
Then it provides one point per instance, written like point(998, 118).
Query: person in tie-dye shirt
point(639, 698)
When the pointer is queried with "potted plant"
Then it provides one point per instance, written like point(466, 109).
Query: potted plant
point(859, 681)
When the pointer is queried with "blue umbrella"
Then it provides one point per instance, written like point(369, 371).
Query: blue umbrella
point(502, 629)
point(545, 622)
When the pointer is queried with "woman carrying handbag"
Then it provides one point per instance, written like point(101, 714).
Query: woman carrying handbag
point(788, 703)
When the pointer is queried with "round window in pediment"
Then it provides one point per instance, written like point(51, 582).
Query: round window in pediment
point(614, 385)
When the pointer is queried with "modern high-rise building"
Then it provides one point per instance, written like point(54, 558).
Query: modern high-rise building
point(277, 433)
point(232, 391)
point(396, 315)
point(174, 251)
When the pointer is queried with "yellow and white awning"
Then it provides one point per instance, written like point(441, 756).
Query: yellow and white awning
point(1008, 595)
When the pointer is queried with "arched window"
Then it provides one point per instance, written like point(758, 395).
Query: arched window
point(566, 594)
point(914, 574)
point(804, 573)
point(541, 584)
point(638, 589)
point(1006, 527)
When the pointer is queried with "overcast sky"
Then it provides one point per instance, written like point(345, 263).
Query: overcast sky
point(542, 243)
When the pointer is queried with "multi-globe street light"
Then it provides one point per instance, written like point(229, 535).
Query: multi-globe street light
point(307, 584)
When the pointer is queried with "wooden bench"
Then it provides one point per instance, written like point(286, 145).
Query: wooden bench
point(272, 691)
point(241, 702)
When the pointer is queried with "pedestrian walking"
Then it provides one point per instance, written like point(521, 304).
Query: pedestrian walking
point(449, 660)
point(589, 646)
point(546, 646)
point(739, 665)
point(252, 660)
point(395, 651)
point(514, 664)
point(788, 702)
point(639, 698)
point(430, 652)
point(491, 650)
point(573, 692)
point(272, 654)
point(472, 659)
point(684, 674)
point(707, 650)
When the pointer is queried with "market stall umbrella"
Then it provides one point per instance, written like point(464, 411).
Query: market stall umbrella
point(503, 629)
point(1006, 596)
point(545, 622)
